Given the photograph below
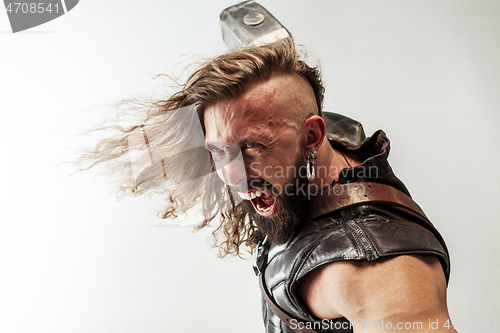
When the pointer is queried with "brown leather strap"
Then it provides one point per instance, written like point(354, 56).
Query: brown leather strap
point(343, 196)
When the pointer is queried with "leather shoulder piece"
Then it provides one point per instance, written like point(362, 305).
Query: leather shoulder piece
point(343, 129)
point(361, 232)
point(373, 231)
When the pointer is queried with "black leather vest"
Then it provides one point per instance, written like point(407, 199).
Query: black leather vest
point(360, 232)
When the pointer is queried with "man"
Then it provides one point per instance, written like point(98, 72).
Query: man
point(275, 122)
point(341, 240)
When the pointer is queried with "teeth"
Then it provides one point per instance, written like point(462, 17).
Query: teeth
point(264, 209)
point(250, 195)
point(253, 195)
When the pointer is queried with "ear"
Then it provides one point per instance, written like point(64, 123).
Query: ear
point(315, 132)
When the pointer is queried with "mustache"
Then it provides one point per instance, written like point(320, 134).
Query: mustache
point(254, 184)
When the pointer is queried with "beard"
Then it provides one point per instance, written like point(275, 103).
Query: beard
point(292, 208)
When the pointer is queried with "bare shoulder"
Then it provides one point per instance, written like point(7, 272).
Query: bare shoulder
point(400, 288)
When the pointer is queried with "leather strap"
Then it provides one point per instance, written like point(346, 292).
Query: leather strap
point(282, 314)
point(344, 196)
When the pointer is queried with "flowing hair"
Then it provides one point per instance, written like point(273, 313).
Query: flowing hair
point(162, 153)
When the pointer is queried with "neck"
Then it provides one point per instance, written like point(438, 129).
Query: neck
point(329, 164)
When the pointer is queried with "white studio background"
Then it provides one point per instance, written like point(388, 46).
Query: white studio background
point(75, 259)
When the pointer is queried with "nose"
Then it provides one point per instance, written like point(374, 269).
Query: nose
point(233, 172)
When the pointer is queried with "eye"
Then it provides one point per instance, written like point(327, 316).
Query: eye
point(214, 150)
point(217, 153)
point(253, 148)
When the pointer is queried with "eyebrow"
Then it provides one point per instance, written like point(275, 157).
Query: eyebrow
point(266, 138)
point(219, 145)
point(209, 145)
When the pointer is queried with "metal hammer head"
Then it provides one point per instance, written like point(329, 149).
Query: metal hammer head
point(250, 24)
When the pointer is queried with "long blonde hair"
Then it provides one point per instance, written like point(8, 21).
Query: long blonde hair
point(163, 148)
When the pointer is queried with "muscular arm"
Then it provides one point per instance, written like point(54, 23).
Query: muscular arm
point(409, 288)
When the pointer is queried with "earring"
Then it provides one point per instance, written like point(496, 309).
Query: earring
point(310, 166)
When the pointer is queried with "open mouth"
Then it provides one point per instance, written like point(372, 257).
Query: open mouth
point(262, 201)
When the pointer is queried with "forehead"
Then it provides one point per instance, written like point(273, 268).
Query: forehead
point(265, 107)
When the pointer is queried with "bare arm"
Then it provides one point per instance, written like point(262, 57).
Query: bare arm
point(404, 293)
